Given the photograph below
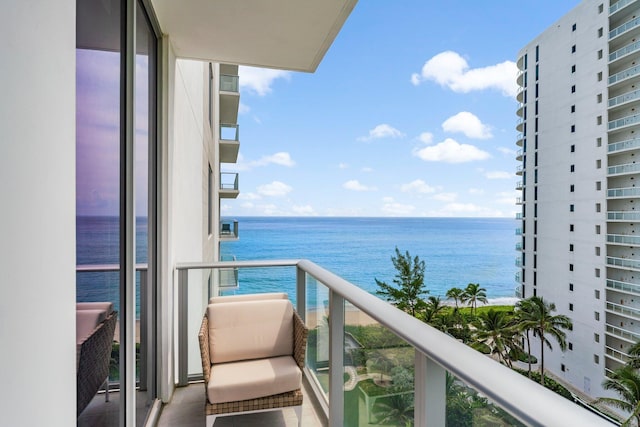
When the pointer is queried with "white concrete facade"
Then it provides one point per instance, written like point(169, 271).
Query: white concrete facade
point(568, 191)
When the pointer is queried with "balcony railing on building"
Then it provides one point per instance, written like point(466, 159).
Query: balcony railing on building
point(229, 185)
point(624, 28)
point(628, 49)
point(628, 144)
point(229, 142)
point(623, 192)
point(623, 239)
point(624, 74)
point(623, 286)
point(627, 263)
point(623, 216)
point(619, 5)
point(229, 98)
point(229, 229)
point(625, 97)
point(631, 337)
point(617, 355)
point(624, 122)
point(518, 292)
point(335, 311)
point(623, 309)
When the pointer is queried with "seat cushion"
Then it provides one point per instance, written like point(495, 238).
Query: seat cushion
point(249, 297)
point(86, 322)
point(246, 330)
point(250, 379)
point(104, 306)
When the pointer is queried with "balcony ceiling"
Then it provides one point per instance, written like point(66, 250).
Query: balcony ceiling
point(284, 34)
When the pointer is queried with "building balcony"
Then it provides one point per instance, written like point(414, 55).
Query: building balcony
point(623, 192)
point(623, 122)
point(627, 26)
point(616, 355)
point(519, 185)
point(622, 239)
point(623, 286)
point(517, 277)
point(518, 200)
point(518, 215)
point(229, 143)
point(624, 51)
point(228, 230)
point(624, 310)
point(519, 154)
point(617, 332)
point(518, 261)
point(229, 97)
point(624, 169)
point(518, 292)
point(624, 75)
point(623, 216)
point(229, 185)
point(520, 124)
point(520, 95)
point(342, 365)
point(625, 98)
point(625, 263)
point(520, 140)
point(629, 144)
point(619, 5)
point(519, 170)
point(519, 231)
point(519, 246)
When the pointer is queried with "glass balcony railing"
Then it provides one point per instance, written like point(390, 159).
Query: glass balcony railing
point(624, 145)
point(623, 216)
point(622, 333)
point(619, 5)
point(623, 192)
point(518, 262)
point(623, 239)
point(624, 121)
point(229, 83)
point(623, 286)
point(623, 169)
point(616, 354)
point(370, 363)
point(623, 262)
point(229, 181)
point(517, 277)
point(632, 47)
point(624, 28)
point(518, 292)
point(621, 309)
point(230, 132)
point(624, 74)
point(229, 229)
point(519, 246)
point(518, 231)
point(625, 97)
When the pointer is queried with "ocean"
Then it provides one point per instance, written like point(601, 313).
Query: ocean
point(456, 251)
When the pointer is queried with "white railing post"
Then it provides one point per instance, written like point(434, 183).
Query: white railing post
point(301, 293)
point(183, 327)
point(336, 362)
point(430, 392)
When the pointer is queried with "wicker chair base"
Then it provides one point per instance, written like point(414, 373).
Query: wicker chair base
point(263, 404)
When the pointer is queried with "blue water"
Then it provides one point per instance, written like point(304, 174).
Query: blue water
point(457, 251)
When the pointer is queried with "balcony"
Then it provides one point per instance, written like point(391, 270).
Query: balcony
point(518, 231)
point(520, 140)
point(229, 143)
point(624, 122)
point(519, 246)
point(518, 292)
point(628, 49)
point(519, 154)
point(619, 5)
point(623, 286)
point(615, 331)
point(624, 192)
point(617, 355)
point(624, 310)
point(519, 170)
point(229, 185)
point(229, 230)
point(623, 239)
point(624, 28)
point(624, 75)
point(427, 357)
point(624, 169)
point(626, 263)
point(517, 277)
point(229, 98)
point(629, 144)
point(624, 98)
point(519, 185)
point(518, 262)
point(623, 216)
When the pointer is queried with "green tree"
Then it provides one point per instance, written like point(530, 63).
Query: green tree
point(409, 289)
point(524, 319)
point(455, 294)
point(544, 323)
point(626, 383)
point(473, 294)
point(634, 355)
point(433, 307)
point(496, 330)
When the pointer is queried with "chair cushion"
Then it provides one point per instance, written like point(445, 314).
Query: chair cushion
point(86, 322)
point(105, 306)
point(250, 379)
point(247, 330)
point(249, 297)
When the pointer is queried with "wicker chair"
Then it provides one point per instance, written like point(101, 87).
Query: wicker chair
point(93, 359)
point(252, 322)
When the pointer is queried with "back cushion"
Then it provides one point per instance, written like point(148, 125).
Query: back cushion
point(246, 330)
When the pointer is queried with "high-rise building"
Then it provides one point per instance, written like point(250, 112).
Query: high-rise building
point(577, 138)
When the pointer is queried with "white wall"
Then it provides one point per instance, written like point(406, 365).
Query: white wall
point(37, 227)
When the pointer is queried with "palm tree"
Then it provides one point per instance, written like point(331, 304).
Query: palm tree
point(626, 383)
point(634, 355)
point(496, 331)
point(410, 289)
point(474, 293)
point(524, 320)
point(544, 323)
point(455, 294)
point(432, 308)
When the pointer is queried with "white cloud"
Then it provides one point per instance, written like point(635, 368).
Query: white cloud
point(259, 80)
point(452, 70)
point(243, 108)
point(388, 199)
point(382, 131)
point(426, 137)
point(248, 196)
point(282, 159)
point(446, 197)
point(275, 189)
point(476, 191)
point(397, 209)
point(303, 210)
point(417, 186)
point(355, 185)
point(467, 210)
point(467, 124)
point(343, 165)
point(498, 175)
point(450, 151)
point(507, 151)
point(367, 169)
point(507, 197)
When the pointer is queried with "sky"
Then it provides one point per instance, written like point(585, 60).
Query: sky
point(411, 113)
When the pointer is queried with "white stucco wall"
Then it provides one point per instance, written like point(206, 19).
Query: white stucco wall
point(37, 230)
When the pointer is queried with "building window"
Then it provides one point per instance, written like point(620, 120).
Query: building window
point(536, 105)
point(598, 207)
point(571, 227)
point(572, 188)
point(573, 148)
point(596, 359)
point(599, 76)
point(572, 168)
point(571, 287)
point(573, 27)
point(573, 49)
point(573, 68)
point(573, 128)
point(573, 88)
point(537, 53)
point(570, 247)
point(562, 368)
point(536, 125)
point(596, 315)
point(570, 267)
point(536, 90)
point(596, 337)
point(600, 8)
point(598, 163)
point(570, 346)
point(597, 294)
point(537, 72)
point(600, 32)
point(599, 98)
point(597, 252)
point(597, 272)
point(598, 185)
point(536, 142)
point(600, 54)
point(210, 203)
point(598, 142)
point(535, 260)
point(573, 108)
point(597, 229)
point(570, 307)
point(599, 120)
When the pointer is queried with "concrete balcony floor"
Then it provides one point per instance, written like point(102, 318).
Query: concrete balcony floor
point(186, 409)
